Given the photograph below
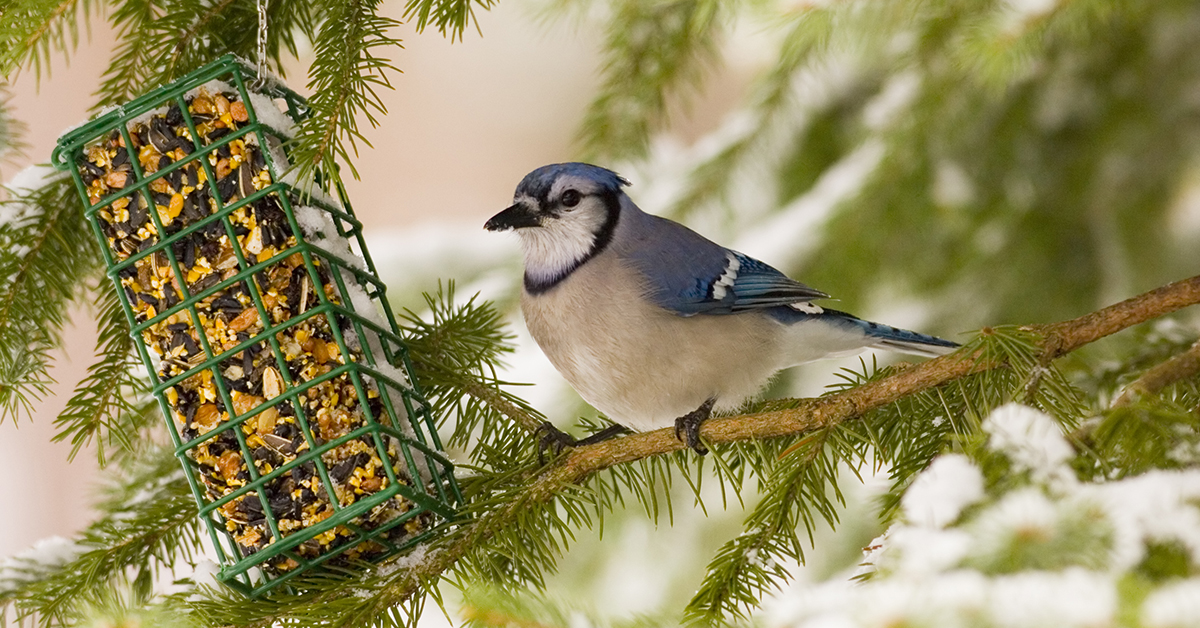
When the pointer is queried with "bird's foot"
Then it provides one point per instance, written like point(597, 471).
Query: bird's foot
point(552, 438)
point(688, 426)
point(558, 440)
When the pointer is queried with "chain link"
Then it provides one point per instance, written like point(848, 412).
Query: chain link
point(262, 40)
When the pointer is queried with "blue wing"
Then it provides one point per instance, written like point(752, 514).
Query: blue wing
point(689, 274)
point(757, 285)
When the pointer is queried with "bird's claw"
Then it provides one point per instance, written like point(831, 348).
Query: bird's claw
point(551, 437)
point(687, 427)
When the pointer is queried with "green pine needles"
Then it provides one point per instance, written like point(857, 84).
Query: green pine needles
point(651, 50)
point(47, 248)
point(110, 404)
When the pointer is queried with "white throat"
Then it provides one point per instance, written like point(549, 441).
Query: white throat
point(559, 244)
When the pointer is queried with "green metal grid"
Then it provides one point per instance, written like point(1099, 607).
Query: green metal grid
point(439, 495)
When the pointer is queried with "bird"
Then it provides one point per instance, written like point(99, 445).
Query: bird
point(655, 325)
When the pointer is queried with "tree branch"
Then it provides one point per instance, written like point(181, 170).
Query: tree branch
point(41, 33)
point(1160, 376)
point(1057, 339)
point(1062, 338)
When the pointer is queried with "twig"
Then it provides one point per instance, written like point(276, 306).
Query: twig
point(493, 397)
point(1062, 338)
point(1180, 367)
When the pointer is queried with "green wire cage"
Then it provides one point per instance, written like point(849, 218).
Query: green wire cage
point(271, 348)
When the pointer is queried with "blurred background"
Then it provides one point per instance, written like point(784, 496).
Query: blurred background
point(937, 166)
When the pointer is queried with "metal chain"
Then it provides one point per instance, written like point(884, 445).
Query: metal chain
point(262, 40)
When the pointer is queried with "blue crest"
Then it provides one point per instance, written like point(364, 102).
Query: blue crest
point(538, 183)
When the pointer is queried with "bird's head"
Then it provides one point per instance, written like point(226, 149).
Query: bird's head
point(565, 214)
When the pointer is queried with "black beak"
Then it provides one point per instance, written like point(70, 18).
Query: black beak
point(518, 216)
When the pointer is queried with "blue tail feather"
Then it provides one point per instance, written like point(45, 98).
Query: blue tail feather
point(888, 337)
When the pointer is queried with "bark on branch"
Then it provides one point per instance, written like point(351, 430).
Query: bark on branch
point(1178, 368)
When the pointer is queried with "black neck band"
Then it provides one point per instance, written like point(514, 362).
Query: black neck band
point(612, 204)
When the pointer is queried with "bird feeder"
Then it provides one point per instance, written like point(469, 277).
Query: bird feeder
point(255, 307)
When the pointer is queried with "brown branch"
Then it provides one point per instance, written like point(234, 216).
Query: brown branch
point(1064, 337)
point(1057, 339)
point(1178, 368)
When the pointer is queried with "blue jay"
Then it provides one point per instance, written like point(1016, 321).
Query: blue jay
point(654, 324)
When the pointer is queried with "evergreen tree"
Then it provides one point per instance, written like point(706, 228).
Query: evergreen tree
point(1008, 162)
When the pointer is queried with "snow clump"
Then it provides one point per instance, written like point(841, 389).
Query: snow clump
point(1041, 549)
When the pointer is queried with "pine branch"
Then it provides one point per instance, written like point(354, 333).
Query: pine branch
point(11, 131)
point(343, 80)
point(197, 32)
point(137, 52)
point(515, 508)
point(45, 254)
point(745, 567)
point(287, 19)
point(451, 17)
point(512, 409)
point(1147, 433)
point(904, 437)
point(161, 40)
point(31, 30)
point(496, 543)
point(1057, 339)
point(189, 35)
point(1064, 337)
point(457, 353)
point(110, 404)
point(150, 522)
point(653, 49)
point(1180, 367)
point(1145, 429)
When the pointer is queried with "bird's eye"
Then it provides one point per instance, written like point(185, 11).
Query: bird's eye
point(571, 198)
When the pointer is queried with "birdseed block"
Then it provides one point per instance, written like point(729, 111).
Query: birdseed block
point(287, 390)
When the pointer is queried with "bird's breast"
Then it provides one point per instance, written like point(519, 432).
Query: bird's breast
point(638, 363)
point(588, 323)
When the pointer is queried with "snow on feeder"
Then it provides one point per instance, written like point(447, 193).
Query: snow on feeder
point(271, 347)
